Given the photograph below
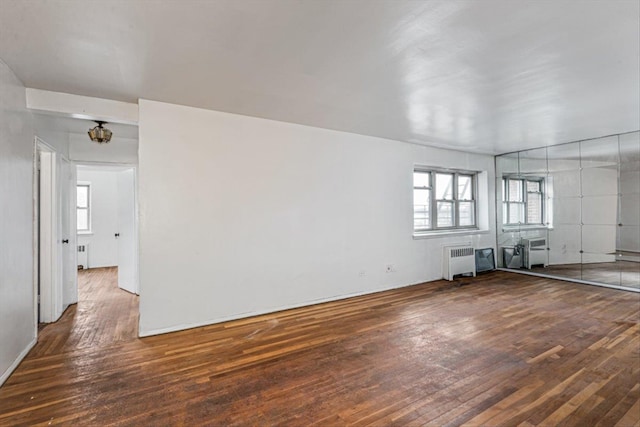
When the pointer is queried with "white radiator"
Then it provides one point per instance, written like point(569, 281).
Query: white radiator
point(535, 252)
point(83, 256)
point(458, 260)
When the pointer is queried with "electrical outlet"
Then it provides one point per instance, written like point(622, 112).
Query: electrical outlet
point(390, 268)
point(362, 273)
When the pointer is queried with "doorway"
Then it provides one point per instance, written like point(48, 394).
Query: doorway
point(107, 302)
point(106, 220)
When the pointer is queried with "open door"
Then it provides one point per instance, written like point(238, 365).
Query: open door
point(49, 284)
point(67, 227)
point(127, 232)
point(56, 242)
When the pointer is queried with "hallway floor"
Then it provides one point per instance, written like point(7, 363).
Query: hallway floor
point(104, 315)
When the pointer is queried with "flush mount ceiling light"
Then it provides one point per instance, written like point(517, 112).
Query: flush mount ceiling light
point(100, 134)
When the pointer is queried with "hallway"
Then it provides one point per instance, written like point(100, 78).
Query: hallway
point(104, 315)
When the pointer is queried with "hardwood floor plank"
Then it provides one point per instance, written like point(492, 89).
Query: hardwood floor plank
point(572, 404)
point(632, 417)
point(500, 349)
point(551, 352)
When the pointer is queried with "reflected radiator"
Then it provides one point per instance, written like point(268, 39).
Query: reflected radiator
point(458, 260)
point(535, 252)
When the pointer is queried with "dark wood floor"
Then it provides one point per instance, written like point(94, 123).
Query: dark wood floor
point(500, 349)
point(105, 315)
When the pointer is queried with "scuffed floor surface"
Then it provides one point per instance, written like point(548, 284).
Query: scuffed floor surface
point(499, 349)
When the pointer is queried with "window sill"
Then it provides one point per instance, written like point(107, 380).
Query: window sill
point(448, 233)
point(85, 233)
point(508, 229)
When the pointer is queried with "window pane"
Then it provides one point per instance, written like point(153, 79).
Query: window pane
point(421, 224)
point(445, 214)
point(505, 220)
point(421, 197)
point(533, 186)
point(444, 186)
point(465, 190)
point(534, 208)
point(466, 214)
point(516, 213)
point(83, 219)
point(515, 190)
point(421, 209)
point(421, 179)
point(83, 196)
point(421, 219)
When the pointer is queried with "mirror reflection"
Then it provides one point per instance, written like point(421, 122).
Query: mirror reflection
point(572, 210)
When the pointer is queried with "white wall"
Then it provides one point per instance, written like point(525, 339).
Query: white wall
point(17, 322)
point(103, 246)
point(240, 215)
point(119, 150)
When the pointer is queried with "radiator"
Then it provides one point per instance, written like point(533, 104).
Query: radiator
point(83, 256)
point(458, 260)
point(535, 252)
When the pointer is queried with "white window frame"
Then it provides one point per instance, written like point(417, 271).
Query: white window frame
point(433, 202)
point(88, 208)
point(525, 196)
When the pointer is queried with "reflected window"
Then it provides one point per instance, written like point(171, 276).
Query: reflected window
point(443, 200)
point(523, 201)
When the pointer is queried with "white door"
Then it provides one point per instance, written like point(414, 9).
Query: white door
point(57, 279)
point(127, 232)
point(50, 287)
point(67, 233)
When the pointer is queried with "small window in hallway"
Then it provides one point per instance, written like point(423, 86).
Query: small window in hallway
point(83, 207)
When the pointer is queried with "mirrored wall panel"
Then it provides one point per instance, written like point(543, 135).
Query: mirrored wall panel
point(572, 210)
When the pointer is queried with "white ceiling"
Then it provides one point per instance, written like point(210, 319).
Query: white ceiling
point(487, 76)
point(103, 168)
point(80, 126)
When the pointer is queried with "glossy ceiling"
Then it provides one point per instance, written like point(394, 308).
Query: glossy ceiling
point(485, 76)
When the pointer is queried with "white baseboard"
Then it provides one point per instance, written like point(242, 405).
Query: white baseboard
point(16, 362)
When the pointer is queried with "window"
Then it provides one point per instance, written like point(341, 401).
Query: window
point(522, 201)
point(83, 207)
point(443, 200)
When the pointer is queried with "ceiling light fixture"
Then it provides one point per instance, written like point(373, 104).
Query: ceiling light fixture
point(100, 134)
